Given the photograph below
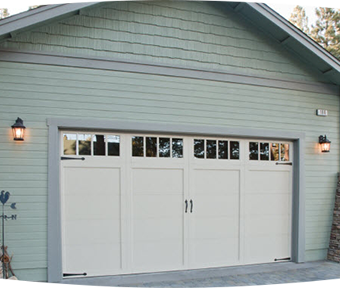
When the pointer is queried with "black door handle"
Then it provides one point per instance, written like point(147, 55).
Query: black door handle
point(192, 206)
point(186, 206)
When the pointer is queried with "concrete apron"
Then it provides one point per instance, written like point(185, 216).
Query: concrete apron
point(219, 276)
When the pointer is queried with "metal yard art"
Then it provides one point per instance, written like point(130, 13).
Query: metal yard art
point(5, 259)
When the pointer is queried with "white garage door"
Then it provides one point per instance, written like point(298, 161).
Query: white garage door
point(147, 203)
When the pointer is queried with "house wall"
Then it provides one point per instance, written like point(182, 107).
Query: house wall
point(37, 92)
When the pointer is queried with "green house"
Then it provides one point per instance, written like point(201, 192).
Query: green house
point(165, 136)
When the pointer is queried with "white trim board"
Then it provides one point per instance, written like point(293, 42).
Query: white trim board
point(43, 58)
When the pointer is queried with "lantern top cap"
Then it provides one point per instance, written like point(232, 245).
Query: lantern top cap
point(19, 123)
point(323, 139)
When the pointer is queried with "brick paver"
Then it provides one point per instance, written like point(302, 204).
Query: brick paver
point(278, 273)
point(322, 271)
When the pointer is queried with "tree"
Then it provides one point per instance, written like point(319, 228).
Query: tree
point(326, 30)
point(38, 3)
point(299, 19)
point(3, 13)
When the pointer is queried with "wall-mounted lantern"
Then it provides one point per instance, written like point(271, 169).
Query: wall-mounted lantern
point(18, 129)
point(324, 143)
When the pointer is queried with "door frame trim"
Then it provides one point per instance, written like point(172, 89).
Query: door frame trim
point(54, 245)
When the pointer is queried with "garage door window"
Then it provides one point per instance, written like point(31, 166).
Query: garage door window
point(70, 144)
point(84, 144)
point(113, 148)
point(162, 147)
point(177, 148)
point(268, 151)
point(216, 149)
point(264, 151)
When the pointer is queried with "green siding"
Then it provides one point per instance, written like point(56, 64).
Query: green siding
point(193, 34)
point(36, 92)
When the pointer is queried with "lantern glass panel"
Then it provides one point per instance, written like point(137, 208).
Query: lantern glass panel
point(18, 133)
point(325, 147)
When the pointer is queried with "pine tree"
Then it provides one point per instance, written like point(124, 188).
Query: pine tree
point(3, 13)
point(326, 30)
point(299, 19)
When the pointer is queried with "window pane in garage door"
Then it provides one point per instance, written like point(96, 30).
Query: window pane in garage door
point(211, 149)
point(199, 148)
point(164, 147)
point(151, 146)
point(113, 148)
point(234, 150)
point(253, 151)
point(84, 144)
point(137, 146)
point(222, 149)
point(70, 145)
point(177, 148)
point(264, 151)
point(99, 145)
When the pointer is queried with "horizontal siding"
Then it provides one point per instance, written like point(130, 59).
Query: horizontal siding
point(192, 34)
point(37, 92)
point(36, 275)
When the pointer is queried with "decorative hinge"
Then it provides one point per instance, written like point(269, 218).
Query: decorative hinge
point(72, 158)
point(284, 163)
point(283, 259)
point(74, 274)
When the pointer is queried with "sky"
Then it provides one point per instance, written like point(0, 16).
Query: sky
point(282, 7)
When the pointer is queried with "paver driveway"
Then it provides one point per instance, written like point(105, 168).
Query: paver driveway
point(223, 277)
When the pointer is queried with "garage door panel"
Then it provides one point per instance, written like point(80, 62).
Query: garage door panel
point(266, 248)
point(91, 260)
point(215, 252)
point(267, 222)
point(215, 181)
point(268, 204)
point(157, 181)
point(94, 231)
point(212, 205)
point(78, 208)
point(89, 181)
point(223, 228)
point(91, 218)
point(158, 229)
point(157, 255)
point(268, 181)
point(158, 218)
point(214, 223)
point(262, 224)
point(155, 206)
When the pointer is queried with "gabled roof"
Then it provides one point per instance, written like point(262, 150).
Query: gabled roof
point(261, 15)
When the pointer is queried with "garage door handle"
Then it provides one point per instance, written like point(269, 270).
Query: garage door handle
point(192, 206)
point(186, 206)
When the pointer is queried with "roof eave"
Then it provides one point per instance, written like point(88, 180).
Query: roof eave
point(39, 16)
